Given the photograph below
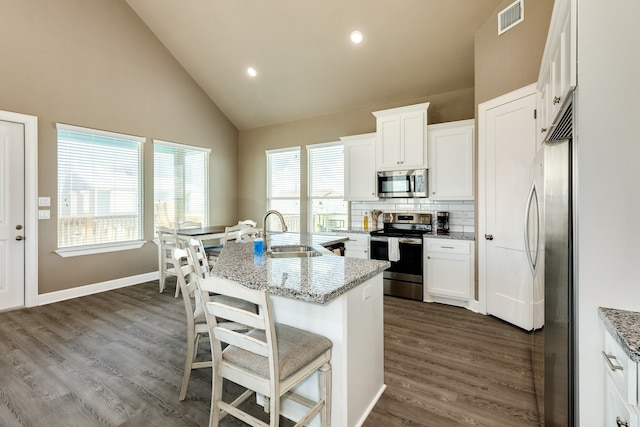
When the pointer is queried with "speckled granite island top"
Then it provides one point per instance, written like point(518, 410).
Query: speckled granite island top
point(317, 279)
point(625, 327)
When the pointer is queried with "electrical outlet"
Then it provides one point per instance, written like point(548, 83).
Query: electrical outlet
point(44, 214)
point(366, 293)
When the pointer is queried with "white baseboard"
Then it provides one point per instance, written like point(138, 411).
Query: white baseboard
point(95, 288)
point(371, 405)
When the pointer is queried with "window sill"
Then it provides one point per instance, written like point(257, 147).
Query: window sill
point(99, 249)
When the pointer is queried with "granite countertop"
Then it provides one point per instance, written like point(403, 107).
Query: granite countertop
point(624, 326)
point(317, 279)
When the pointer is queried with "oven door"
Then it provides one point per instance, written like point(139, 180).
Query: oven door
point(404, 277)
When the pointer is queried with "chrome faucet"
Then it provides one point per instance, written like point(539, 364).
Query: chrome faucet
point(264, 224)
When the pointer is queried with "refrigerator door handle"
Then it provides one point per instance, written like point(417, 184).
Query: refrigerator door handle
point(533, 260)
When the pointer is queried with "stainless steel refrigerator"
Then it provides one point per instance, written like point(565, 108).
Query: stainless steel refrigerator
point(555, 342)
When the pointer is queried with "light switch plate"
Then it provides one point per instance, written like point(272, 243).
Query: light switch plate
point(44, 201)
point(44, 214)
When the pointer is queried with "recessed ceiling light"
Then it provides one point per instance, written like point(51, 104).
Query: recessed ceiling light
point(357, 37)
point(252, 71)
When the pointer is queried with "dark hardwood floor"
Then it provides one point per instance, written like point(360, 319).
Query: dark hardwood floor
point(116, 359)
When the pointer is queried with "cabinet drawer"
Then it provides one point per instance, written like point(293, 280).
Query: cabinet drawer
point(357, 240)
point(621, 369)
point(448, 246)
point(616, 411)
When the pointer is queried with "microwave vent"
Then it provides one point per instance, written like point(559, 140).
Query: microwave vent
point(511, 16)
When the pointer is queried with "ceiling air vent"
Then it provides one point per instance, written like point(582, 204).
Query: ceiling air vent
point(511, 16)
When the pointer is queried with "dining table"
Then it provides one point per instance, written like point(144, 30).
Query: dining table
point(212, 232)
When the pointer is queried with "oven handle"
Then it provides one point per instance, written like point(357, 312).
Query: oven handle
point(406, 240)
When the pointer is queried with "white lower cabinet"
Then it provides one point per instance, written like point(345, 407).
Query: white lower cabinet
point(449, 270)
point(621, 385)
point(357, 246)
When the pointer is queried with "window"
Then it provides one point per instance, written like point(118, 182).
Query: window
point(99, 189)
point(283, 187)
point(327, 207)
point(180, 182)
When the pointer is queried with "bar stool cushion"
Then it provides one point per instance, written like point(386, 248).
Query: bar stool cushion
point(296, 348)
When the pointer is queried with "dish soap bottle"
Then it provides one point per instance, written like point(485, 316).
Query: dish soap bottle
point(366, 221)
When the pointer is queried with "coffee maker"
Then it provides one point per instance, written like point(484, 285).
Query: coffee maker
point(443, 222)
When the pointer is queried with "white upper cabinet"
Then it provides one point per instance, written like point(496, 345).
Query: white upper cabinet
point(359, 167)
point(450, 152)
point(401, 141)
point(558, 75)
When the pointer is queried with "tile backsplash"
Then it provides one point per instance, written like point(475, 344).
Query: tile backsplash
point(461, 213)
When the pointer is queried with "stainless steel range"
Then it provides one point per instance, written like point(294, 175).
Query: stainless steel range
point(400, 242)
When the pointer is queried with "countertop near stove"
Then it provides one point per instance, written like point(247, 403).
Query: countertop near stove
point(624, 326)
point(432, 235)
point(317, 279)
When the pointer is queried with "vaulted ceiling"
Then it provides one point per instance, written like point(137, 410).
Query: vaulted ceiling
point(307, 66)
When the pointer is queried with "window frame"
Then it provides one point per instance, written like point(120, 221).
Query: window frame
point(310, 197)
point(270, 198)
point(180, 146)
point(79, 250)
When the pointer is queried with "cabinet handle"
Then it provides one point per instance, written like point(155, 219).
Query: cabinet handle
point(447, 247)
point(621, 423)
point(608, 358)
point(428, 257)
point(543, 130)
point(556, 100)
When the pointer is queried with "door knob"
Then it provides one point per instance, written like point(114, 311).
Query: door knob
point(19, 237)
point(19, 227)
point(488, 236)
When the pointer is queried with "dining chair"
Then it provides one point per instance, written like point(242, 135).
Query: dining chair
point(196, 320)
point(167, 241)
point(248, 222)
point(248, 233)
point(199, 256)
point(269, 360)
point(230, 232)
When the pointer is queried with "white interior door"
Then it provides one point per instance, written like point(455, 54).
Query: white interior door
point(12, 215)
point(509, 150)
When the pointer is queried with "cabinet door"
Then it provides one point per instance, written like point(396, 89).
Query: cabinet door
point(412, 138)
point(449, 275)
point(451, 161)
point(388, 146)
point(357, 246)
point(616, 411)
point(359, 168)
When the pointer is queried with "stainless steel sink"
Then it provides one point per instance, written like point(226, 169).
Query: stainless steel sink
point(292, 251)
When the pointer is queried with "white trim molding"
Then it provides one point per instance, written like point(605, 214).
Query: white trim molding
point(81, 291)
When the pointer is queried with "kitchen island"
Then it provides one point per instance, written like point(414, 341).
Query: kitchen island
point(338, 297)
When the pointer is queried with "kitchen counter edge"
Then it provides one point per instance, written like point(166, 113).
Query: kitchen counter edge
point(624, 326)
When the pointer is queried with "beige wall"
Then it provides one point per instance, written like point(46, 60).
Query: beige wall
point(512, 60)
point(93, 63)
point(456, 105)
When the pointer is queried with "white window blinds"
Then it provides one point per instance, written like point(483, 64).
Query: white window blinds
point(99, 187)
point(327, 207)
point(283, 187)
point(180, 183)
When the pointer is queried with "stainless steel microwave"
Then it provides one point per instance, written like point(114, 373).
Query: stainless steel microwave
point(403, 183)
